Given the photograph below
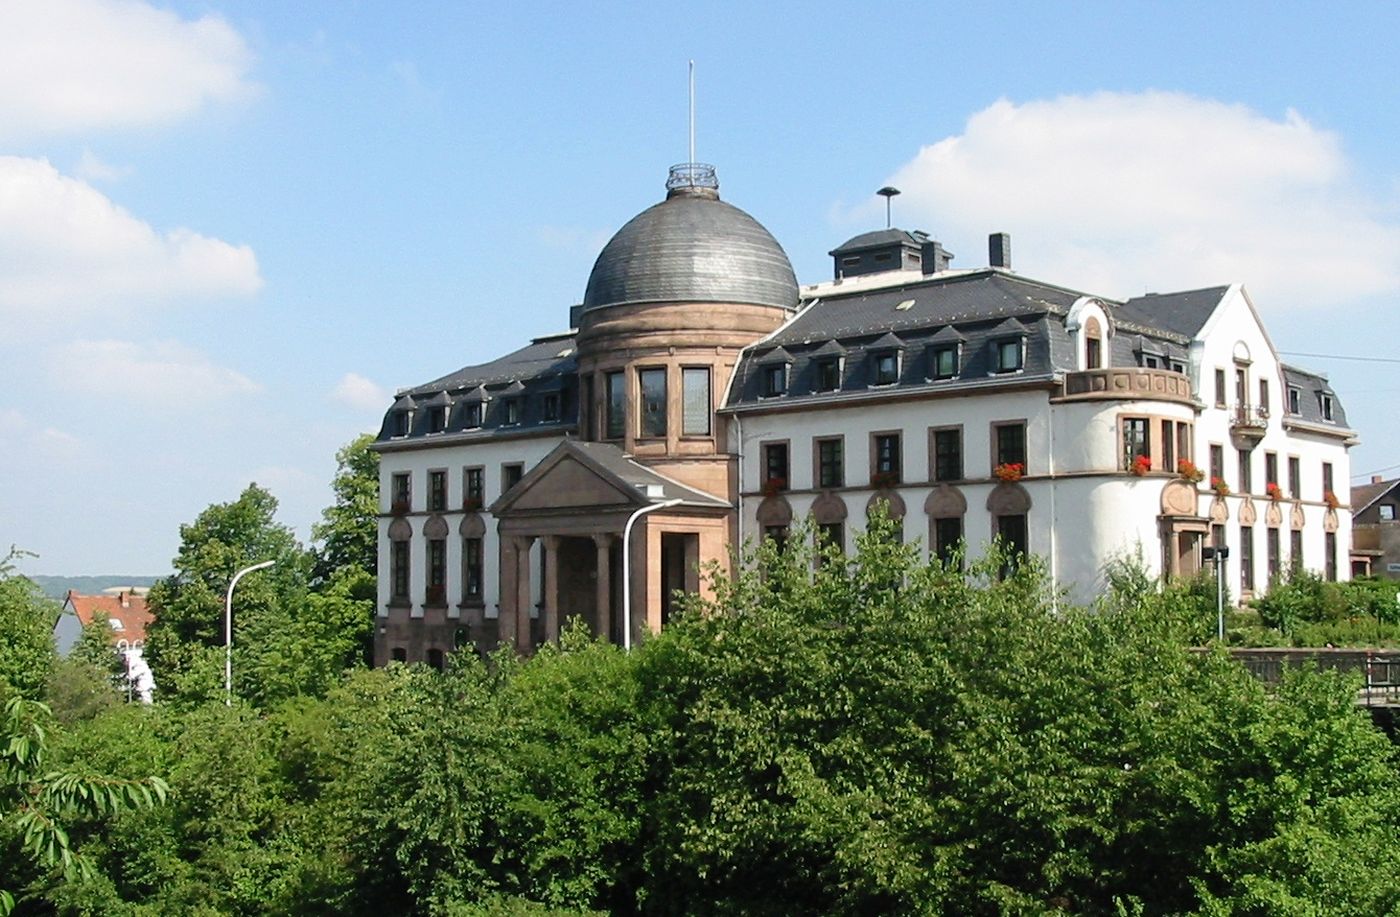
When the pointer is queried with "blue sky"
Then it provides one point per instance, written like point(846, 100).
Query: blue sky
point(229, 230)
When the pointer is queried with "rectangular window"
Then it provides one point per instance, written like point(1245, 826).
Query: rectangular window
point(830, 535)
point(1241, 388)
point(1295, 401)
point(1386, 512)
point(1093, 353)
point(945, 362)
point(402, 491)
point(472, 416)
point(1184, 446)
point(887, 367)
point(1217, 536)
point(512, 406)
point(437, 418)
point(1246, 472)
point(471, 570)
point(1136, 433)
point(1295, 551)
point(551, 407)
point(1270, 468)
point(1009, 445)
point(1012, 530)
point(778, 534)
point(398, 570)
point(615, 385)
point(511, 475)
point(774, 379)
point(1330, 561)
point(1220, 388)
point(947, 454)
point(1217, 463)
point(828, 374)
point(888, 459)
point(403, 423)
point(1326, 479)
point(1264, 396)
point(831, 470)
point(651, 384)
point(437, 491)
point(1295, 477)
point(1008, 355)
point(775, 466)
point(1246, 558)
point(1272, 548)
point(473, 488)
point(437, 571)
point(1169, 445)
point(695, 401)
point(947, 536)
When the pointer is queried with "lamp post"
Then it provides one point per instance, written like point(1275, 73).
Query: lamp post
point(228, 629)
point(627, 568)
point(1218, 555)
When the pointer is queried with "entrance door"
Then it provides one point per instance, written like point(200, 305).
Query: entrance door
point(680, 558)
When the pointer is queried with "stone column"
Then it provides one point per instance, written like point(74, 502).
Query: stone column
point(523, 643)
point(549, 544)
point(604, 582)
point(510, 569)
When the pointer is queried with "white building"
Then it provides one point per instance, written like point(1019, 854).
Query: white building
point(705, 396)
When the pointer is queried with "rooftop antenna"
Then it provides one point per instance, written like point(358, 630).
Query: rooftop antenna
point(691, 178)
point(692, 112)
point(887, 192)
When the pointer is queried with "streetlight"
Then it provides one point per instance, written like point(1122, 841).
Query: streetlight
point(1218, 555)
point(627, 567)
point(228, 629)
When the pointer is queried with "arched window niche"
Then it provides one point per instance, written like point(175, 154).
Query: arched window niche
point(1091, 329)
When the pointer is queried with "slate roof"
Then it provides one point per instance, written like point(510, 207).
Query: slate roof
point(978, 308)
point(546, 366)
point(617, 463)
point(880, 238)
point(1184, 313)
point(1363, 495)
point(1312, 387)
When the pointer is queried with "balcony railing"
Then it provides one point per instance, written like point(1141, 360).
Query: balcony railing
point(1127, 382)
point(1249, 419)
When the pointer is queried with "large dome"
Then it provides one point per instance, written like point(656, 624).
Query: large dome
point(692, 247)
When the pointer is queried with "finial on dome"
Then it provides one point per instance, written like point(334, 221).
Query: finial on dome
point(695, 179)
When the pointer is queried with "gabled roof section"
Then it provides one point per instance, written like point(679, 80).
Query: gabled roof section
point(541, 357)
point(127, 612)
point(1183, 313)
point(625, 482)
point(1363, 496)
point(880, 238)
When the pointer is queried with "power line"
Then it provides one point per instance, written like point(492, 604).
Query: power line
point(1367, 474)
point(1337, 356)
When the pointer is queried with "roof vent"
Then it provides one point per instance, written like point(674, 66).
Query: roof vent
point(652, 491)
point(904, 306)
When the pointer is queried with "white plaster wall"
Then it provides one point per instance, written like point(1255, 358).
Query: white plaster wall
point(454, 459)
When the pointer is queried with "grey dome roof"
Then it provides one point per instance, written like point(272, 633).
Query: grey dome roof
point(692, 247)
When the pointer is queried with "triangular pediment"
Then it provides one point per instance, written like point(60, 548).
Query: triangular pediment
point(570, 484)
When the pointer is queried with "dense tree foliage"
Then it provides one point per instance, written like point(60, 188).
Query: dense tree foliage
point(862, 735)
point(348, 530)
point(27, 619)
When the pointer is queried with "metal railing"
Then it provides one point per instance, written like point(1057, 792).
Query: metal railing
point(692, 175)
point(1380, 669)
point(1249, 416)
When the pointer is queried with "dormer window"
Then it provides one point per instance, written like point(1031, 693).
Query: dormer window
point(1295, 400)
point(1009, 353)
point(437, 418)
point(403, 422)
point(471, 416)
point(828, 374)
point(774, 379)
point(886, 367)
point(1325, 402)
point(512, 406)
point(1093, 344)
point(945, 361)
point(551, 407)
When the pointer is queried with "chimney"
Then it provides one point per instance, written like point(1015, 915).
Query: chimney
point(126, 599)
point(1376, 479)
point(934, 257)
point(999, 250)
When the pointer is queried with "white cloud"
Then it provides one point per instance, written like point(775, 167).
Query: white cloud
point(1121, 193)
point(354, 390)
point(162, 373)
point(67, 248)
point(23, 439)
point(92, 168)
point(78, 65)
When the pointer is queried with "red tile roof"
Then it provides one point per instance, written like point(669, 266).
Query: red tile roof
point(127, 608)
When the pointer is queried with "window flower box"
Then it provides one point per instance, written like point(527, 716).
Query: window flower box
point(399, 507)
point(1274, 491)
point(1331, 500)
point(1187, 471)
point(471, 504)
point(774, 486)
point(1220, 487)
point(1009, 471)
point(1140, 465)
point(881, 480)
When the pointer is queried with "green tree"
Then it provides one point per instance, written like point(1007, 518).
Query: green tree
point(348, 531)
point(27, 619)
